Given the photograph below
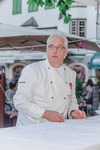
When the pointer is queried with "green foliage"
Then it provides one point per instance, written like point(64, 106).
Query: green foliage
point(36, 2)
point(80, 89)
point(63, 5)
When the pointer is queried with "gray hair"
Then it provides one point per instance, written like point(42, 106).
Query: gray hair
point(58, 34)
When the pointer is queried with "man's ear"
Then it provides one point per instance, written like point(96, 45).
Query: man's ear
point(65, 54)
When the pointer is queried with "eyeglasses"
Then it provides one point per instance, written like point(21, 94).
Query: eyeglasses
point(58, 48)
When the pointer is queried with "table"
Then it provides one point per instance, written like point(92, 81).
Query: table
point(70, 135)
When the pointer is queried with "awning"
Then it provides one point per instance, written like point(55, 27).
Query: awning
point(95, 61)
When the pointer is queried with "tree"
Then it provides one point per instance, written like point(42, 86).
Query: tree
point(63, 5)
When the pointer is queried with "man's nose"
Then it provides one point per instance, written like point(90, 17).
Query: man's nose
point(55, 49)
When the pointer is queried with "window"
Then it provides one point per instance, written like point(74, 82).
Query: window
point(32, 8)
point(73, 27)
point(81, 28)
point(17, 6)
point(78, 27)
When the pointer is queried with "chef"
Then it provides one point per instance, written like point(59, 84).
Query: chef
point(46, 89)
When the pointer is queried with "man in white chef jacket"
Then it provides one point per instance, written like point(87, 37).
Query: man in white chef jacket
point(46, 89)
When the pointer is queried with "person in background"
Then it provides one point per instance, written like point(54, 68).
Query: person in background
point(89, 91)
point(11, 92)
point(89, 96)
point(46, 89)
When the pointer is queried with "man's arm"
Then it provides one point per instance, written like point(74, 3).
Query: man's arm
point(23, 99)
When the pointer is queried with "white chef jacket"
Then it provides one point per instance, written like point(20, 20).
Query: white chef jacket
point(42, 87)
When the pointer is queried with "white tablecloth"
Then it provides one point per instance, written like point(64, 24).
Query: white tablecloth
point(69, 135)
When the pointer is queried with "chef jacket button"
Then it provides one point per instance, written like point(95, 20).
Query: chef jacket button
point(64, 68)
point(66, 82)
point(50, 81)
point(52, 97)
point(64, 97)
point(48, 67)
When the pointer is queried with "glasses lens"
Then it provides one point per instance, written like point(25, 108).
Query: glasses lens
point(51, 46)
point(58, 48)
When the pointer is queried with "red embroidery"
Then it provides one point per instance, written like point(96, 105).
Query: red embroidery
point(70, 84)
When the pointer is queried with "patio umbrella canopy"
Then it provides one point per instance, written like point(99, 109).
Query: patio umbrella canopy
point(21, 38)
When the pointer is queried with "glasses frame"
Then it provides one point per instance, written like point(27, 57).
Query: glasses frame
point(58, 48)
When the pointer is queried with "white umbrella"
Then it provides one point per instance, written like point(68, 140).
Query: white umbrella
point(21, 38)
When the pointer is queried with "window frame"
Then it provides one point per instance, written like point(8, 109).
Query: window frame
point(77, 27)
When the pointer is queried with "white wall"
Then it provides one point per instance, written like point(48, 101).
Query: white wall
point(91, 23)
point(48, 18)
point(44, 18)
point(88, 13)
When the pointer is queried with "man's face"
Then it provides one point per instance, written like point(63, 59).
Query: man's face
point(56, 52)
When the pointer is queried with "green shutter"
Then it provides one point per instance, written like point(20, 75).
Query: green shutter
point(32, 8)
point(17, 6)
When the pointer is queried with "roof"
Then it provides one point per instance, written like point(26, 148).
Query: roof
point(30, 22)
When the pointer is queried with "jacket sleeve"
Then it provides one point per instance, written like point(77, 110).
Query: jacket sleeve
point(23, 99)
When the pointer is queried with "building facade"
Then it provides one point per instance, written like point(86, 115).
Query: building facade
point(20, 13)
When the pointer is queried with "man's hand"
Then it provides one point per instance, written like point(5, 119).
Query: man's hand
point(78, 114)
point(53, 116)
